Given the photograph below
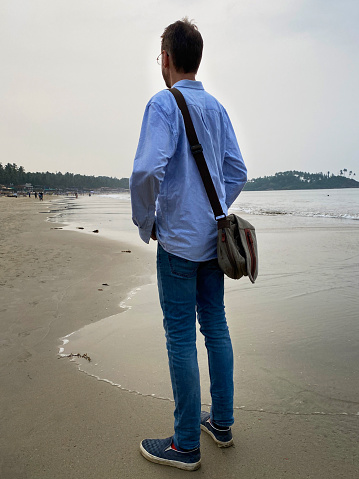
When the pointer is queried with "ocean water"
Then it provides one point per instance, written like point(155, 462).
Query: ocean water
point(295, 332)
point(337, 204)
point(106, 211)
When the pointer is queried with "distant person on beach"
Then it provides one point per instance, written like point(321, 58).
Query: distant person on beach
point(170, 204)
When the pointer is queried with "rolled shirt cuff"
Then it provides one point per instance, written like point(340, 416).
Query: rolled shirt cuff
point(145, 234)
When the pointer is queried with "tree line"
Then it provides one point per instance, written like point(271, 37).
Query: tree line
point(12, 175)
point(299, 180)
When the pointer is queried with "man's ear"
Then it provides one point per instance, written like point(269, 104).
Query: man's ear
point(166, 59)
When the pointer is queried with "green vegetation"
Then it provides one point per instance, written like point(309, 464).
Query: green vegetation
point(13, 176)
point(298, 180)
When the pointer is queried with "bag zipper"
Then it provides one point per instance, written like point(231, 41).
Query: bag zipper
point(249, 239)
point(230, 255)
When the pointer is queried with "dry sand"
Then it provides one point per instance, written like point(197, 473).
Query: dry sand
point(57, 422)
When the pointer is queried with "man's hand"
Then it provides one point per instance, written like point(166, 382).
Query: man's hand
point(153, 232)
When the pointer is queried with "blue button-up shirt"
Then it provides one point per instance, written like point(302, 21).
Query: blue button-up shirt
point(166, 187)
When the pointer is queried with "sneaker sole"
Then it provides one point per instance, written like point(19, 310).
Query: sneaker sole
point(219, 443)
point(166, 462)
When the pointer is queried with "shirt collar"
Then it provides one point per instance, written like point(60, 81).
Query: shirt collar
point(196, 85)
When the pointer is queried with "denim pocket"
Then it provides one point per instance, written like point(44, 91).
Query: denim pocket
point(181, 267)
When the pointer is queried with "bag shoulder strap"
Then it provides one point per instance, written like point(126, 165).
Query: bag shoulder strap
point(197, 152)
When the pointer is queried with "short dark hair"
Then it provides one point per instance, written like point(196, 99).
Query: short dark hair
point(184, 43)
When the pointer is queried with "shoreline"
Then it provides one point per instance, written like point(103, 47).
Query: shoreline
point(56, 422)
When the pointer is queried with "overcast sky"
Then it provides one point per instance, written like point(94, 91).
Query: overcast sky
point(76, 75)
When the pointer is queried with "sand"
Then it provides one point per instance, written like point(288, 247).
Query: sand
point(58, 422)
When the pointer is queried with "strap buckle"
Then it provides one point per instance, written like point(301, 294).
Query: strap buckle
point(196, 149)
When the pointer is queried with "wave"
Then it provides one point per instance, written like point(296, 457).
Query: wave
point(122, 196)
point(257, 210)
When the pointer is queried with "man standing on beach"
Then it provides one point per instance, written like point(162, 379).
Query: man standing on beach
point(170, 204)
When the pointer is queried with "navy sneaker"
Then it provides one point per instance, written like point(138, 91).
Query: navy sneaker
point(161, 451)
point(223, 438)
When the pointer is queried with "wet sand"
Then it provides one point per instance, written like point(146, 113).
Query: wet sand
point(295, 336)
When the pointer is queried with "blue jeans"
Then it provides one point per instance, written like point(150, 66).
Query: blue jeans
point(184, 288)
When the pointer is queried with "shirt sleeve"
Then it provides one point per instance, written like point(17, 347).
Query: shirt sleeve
point(155, 148)
point(234, 169)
